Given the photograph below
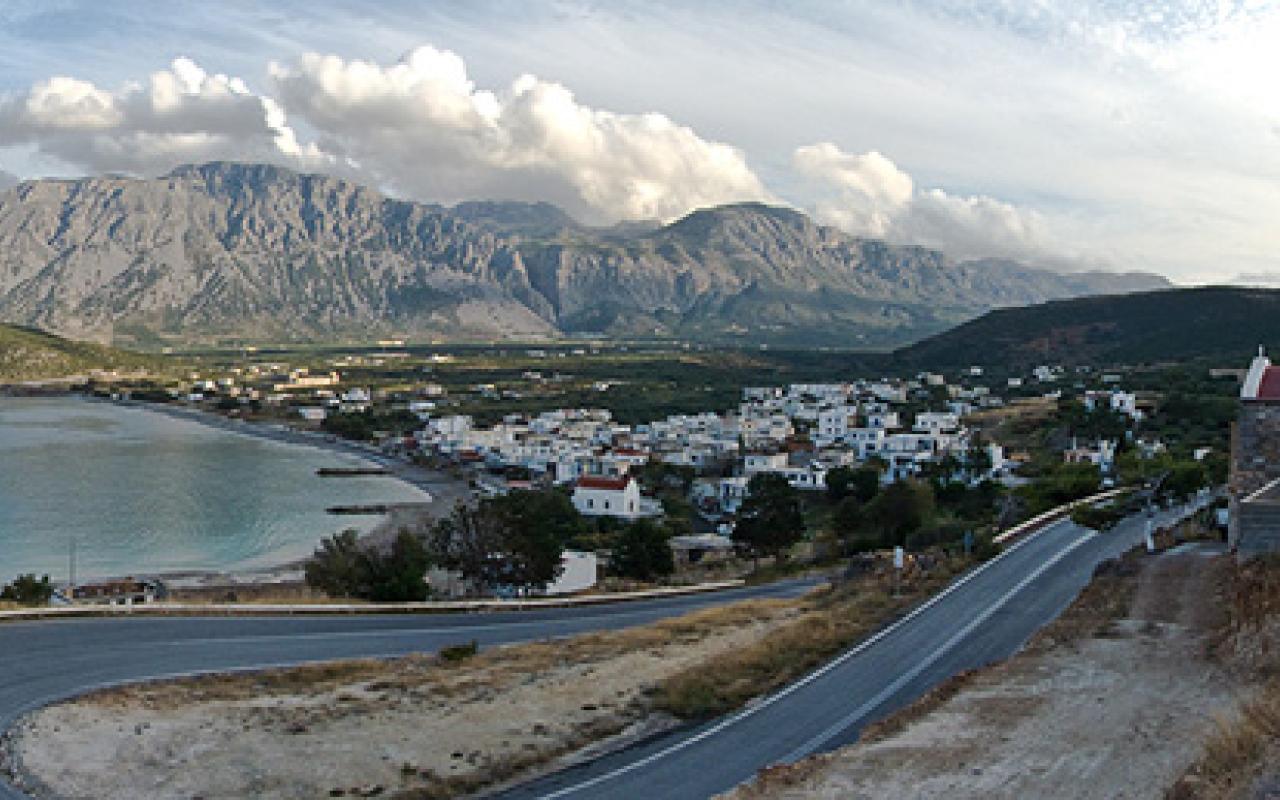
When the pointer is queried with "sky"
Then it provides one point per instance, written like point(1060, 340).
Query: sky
point(1094, 134)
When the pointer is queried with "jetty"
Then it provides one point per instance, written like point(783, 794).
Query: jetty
point(378, 508)
point(346, 472)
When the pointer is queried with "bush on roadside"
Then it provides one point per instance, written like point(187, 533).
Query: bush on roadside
point(454, 653)
point(1099, 518)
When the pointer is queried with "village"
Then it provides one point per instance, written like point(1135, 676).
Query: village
point(693, 471)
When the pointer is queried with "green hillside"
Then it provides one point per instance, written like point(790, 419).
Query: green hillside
point(30, 354)
point(1150, 327)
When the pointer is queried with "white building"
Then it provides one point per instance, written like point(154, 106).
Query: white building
point(596, 496)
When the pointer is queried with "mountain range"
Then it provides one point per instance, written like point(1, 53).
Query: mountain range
point(251, 252)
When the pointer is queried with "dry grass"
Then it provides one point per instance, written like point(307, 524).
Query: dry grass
point(795, 636)
point(830, 623)
point(1239, 757)
point(265, 593)
point(1238, 753)
point(314, 698)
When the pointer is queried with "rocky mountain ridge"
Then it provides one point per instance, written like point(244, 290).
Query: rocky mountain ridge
point(257, 252)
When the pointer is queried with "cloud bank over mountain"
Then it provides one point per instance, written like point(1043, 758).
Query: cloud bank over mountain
point(178, 115)
point(419, 127)
point(866, 194)
point(422, 127)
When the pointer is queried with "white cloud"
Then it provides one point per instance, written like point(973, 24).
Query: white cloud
point(7, 180)
point(423, 127)
point(868, 195)
point(420, 128)
point(872, 191)
point(181, 114)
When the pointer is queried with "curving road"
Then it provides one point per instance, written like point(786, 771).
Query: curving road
point(43, 662)
point(984, 617)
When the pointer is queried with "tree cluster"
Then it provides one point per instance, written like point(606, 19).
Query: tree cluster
point(771, 520)
point(28, 590)
point(343, 567)
point(515, 541)
point(642, 552)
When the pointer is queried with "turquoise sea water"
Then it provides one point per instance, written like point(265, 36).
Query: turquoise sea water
point(141, 492)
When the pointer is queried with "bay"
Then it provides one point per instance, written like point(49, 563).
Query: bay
point(142, 492)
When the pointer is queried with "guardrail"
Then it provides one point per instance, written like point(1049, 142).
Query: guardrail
point(425, 607)
point(1053, 514)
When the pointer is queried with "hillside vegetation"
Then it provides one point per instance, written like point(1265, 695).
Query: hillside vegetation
point(29, 354)
point(1149, 327)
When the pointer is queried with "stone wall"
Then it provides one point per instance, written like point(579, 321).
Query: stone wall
point(1255, 461)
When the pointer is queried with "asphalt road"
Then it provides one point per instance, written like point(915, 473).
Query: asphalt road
point(986, 617)
point(43, 662)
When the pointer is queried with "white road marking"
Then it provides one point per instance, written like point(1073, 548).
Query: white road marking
point(810, 678)
point(933, 658)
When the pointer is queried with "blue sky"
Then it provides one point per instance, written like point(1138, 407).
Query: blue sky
point(1076, 135)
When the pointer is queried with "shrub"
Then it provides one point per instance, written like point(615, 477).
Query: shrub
point(454, 653)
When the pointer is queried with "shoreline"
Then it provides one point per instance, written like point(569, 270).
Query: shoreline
point(441, 491)
point(438, 488)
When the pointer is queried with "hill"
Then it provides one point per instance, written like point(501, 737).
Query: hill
point(251, 251)
point(1147, 327)
point(28, 354)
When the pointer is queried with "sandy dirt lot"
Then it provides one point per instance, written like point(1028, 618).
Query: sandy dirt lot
point(414, 727)
point(1112, 701)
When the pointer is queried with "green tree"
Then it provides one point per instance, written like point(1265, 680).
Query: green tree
point(400, 574)
point(28, 590)
point(500, 543)
point(642, 552)
point(1185, 478)
point(861, 483)
point(342, 567)
point(547, 514)
point(900, 510)
point(850, 525)
point(337, 567)
point(770, 520)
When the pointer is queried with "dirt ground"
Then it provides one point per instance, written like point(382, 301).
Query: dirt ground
point(414, 727)
point(1114, 700)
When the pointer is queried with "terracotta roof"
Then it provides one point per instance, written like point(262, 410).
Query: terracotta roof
point(1269, 388)
point(600, 482)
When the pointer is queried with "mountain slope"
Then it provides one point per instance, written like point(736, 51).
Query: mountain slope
point(1148, 327)
point(27, 354)
point(259, 252)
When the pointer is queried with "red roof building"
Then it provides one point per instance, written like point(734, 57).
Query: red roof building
point(604, 483)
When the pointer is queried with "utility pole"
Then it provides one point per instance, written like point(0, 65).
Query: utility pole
point(899, 561)
point(71, 557)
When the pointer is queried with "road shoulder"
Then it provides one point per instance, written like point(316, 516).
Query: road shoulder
point(1115, 698)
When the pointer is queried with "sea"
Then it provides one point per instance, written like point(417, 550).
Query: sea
point(120, 490)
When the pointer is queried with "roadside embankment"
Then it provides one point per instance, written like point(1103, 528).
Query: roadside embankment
point(1113, 699)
